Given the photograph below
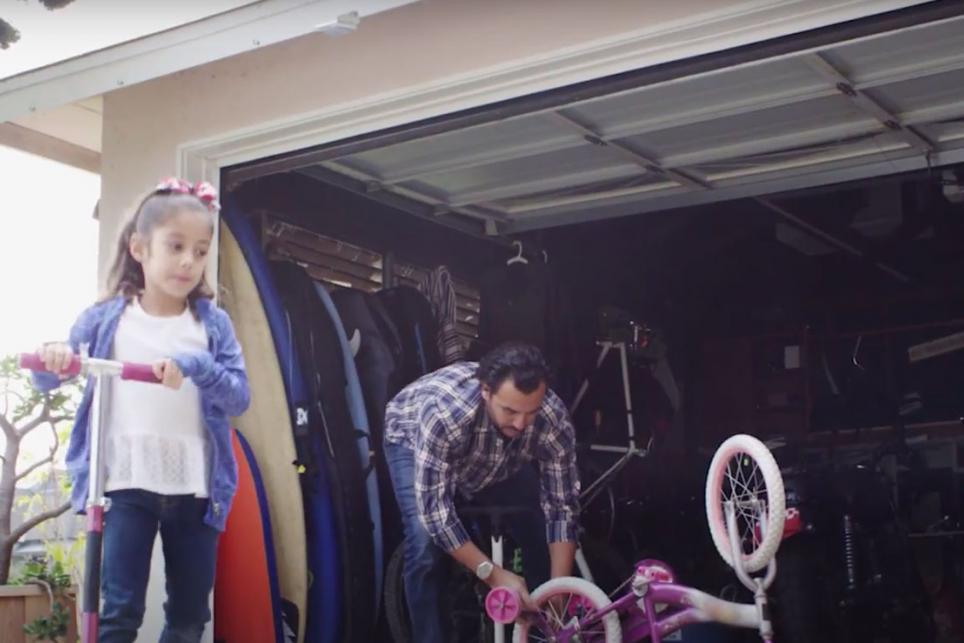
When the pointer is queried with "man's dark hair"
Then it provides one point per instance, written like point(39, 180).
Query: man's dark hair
point(522, 363)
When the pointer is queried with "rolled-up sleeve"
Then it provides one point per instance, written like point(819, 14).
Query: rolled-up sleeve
point(434, 482)
point(559, 491)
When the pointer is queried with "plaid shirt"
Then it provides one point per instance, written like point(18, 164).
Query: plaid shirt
point(442, 418)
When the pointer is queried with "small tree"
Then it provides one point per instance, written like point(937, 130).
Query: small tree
point(9, 34)
point(23, 410)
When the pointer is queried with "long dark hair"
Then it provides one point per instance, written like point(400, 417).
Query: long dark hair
point(126, 277)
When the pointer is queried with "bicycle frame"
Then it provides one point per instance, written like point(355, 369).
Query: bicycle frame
point(665, 608)
point(655, 606)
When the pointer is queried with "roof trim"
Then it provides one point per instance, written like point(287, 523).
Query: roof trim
point(49, 147)
point(189, 45)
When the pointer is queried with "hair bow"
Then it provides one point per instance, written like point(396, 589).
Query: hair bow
point(204, 191)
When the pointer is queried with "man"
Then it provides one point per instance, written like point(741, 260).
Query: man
point(473, 430)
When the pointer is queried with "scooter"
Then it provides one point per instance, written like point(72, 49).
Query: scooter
point(99, 370)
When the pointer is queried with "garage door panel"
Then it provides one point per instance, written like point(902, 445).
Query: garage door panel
point(913, 51)
point(663, 105)
point(945, 89)
point(882, 104)
point(425, 155)
point(812, 121)
point(585, 158)
point(944, 133)
point(591, 190)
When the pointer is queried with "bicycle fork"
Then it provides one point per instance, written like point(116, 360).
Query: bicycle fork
point(756, 585)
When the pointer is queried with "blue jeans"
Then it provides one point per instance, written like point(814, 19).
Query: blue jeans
point(425, 568)
point(130, 527)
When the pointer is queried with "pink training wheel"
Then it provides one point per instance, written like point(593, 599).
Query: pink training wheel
point(502, 605)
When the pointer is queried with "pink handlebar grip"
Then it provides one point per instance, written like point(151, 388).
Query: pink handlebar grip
point(139, 372)
point(33, 362)
point(502, 605)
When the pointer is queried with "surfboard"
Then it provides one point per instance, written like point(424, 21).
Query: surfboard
point(366, 447)
point(266, 426)
point(323, 606)
point(247, 603)
point(316, 343)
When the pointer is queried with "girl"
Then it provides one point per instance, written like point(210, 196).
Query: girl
point(169, 461)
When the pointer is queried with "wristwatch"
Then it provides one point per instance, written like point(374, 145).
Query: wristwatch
point(484, 570)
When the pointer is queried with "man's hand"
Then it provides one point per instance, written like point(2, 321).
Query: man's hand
point(501, 577)
point(169, 374)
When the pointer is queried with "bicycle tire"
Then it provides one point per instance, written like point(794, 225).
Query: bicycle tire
point(396, 609)
point(749, 446)
point(578, 587)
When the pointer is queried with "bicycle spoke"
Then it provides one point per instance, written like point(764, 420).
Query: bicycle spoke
point(556, 619)
point(746, 489)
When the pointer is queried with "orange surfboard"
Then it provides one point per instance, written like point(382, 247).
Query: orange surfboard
point(247, 603)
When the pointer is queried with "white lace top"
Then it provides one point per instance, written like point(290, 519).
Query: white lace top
point(155, 438)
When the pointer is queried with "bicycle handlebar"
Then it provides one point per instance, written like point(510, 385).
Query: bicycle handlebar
point(32, 361)
point(126, 370)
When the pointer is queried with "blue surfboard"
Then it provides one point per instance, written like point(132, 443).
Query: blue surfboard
point(359, 416)
point(323, 618)
point(320, 352)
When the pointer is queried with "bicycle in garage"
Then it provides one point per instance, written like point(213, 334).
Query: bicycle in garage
point(745, 507)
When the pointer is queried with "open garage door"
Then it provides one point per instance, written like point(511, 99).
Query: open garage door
point(870, 98)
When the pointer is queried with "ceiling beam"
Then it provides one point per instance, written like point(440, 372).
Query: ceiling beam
point(867, 104)
point(831, 239)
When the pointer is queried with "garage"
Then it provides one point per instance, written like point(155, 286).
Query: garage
point(764, 240)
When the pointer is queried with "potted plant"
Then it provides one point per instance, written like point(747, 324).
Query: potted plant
point(43, 593)
point(51, 616)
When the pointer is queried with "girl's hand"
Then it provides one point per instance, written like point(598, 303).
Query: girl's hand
point(56, 357)
point(169, 374)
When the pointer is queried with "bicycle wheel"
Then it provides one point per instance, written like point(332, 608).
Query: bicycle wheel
point(462, 603)
point(744, 472)
point(578, 597)
point(396, 610)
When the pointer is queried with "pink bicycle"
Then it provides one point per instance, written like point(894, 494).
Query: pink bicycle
point(745, 508)
point(97, 502)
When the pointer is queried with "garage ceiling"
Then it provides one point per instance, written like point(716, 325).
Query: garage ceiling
point(884, 104)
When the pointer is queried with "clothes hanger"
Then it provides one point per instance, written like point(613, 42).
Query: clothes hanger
point(518, 258)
